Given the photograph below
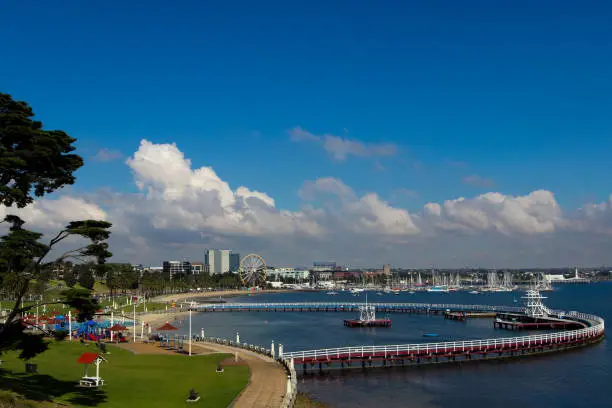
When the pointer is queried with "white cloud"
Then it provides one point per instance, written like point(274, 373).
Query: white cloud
point(330, 185)
point(54, 214)
point(182, 209)
point(537, 212)
point(341, 148)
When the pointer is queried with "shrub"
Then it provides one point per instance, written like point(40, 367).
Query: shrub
point(60, 335)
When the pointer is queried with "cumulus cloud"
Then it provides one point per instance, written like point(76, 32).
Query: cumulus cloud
point(534, 213)
point(341, 148)
point(181, 209)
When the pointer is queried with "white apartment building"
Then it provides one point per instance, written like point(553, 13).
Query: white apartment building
point(288, 273)
point(217, 261)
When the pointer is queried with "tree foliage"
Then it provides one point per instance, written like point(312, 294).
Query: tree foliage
point(33, 161)
point(86, 279)
point(70, 278)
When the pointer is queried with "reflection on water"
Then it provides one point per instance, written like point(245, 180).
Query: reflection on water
point(572, 379)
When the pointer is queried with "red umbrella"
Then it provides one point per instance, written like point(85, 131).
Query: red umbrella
point(166, 327)
point(118, 327)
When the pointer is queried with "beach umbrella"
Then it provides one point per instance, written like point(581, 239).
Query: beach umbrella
point(118, 327)
point(167, 327)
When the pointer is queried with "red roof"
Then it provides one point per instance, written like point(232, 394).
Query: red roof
point(167, 326)
point(87, 358)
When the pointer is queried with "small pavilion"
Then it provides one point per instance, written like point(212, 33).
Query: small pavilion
point(87, 359)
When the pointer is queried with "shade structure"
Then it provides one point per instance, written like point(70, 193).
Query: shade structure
point(88, 358)
point(167, 327)
point(118, 327)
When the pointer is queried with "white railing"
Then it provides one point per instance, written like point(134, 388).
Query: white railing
point(291, 391)
point(595, 329)
point(355, 305)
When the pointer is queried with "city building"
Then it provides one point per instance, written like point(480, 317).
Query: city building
point(197, 268)
point(288, 273)
point(173, 268)
point(221, 261)
point(386, 269)
point(234, 261)
point(323, 266)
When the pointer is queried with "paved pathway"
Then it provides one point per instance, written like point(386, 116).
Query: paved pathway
point(268, 382)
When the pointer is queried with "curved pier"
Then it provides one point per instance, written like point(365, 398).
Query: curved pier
point(456, 351)
point(591, 329)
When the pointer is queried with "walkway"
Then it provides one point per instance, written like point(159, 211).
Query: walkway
point(268, 382)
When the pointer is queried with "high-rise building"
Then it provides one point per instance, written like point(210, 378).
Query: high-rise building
point(386, 269)
point(219, 260)
point(234, 260)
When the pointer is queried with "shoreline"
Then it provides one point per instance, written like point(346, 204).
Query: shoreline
point(213, 294)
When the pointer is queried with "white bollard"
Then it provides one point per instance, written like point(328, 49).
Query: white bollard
point(272, 349)
point(202, 333)
point(280, 351)
point(237, 337)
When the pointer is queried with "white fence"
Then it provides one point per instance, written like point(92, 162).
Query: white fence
point(291, 391)
point(356, 305)
point(596, 329)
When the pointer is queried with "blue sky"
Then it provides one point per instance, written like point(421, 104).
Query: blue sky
point(518, 92)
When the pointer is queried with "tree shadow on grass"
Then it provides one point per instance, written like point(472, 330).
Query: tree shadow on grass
point(39, 387)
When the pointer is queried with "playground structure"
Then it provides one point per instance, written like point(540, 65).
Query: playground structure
point(174, 342)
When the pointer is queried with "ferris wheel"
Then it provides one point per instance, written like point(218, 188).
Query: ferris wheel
point(252, 270)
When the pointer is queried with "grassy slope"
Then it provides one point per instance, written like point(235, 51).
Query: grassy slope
point(131, 380)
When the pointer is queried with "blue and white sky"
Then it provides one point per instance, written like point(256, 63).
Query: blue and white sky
point(420, 134)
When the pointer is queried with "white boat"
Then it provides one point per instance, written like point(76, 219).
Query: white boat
point(474, 292)
point(439, 289)
point(357, 290)
point(332, 293)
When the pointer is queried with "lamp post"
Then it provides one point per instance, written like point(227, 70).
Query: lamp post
point(190, 332)
point(134, 322)
point(70, 325)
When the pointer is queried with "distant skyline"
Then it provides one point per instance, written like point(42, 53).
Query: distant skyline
point(444, 134)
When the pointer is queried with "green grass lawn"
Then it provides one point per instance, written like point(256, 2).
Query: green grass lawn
point(130, 380)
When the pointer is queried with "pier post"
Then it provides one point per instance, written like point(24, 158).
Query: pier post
point(202, 333)
point(280, 351)
point(237, 337)
point(272, 349)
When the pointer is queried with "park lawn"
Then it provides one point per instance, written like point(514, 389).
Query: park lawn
point(130, 380)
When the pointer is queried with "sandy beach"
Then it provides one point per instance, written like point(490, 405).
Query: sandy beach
point(157, 319)
point(215, 294)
